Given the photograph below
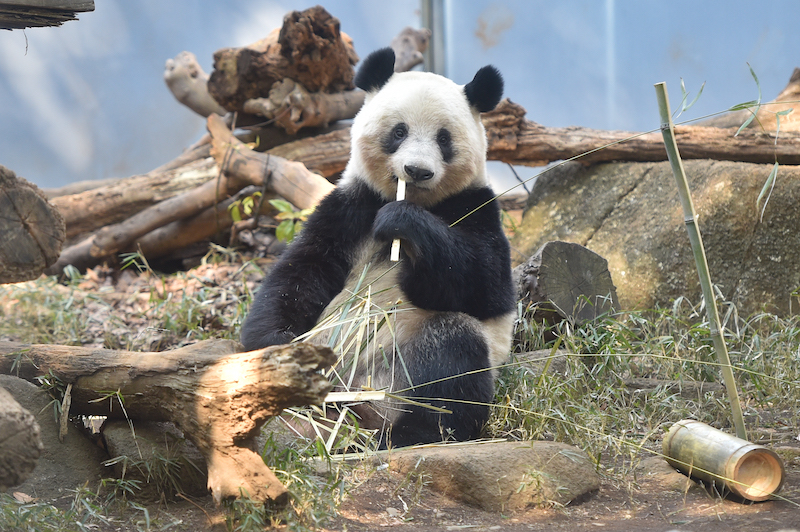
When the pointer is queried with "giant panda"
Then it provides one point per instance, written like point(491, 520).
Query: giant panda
point(447, 307)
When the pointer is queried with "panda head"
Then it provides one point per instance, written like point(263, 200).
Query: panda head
point(422, 128)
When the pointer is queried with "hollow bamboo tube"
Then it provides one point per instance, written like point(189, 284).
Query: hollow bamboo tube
point(750, 471)
point(690, 219)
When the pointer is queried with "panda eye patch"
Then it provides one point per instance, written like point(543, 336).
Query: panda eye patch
point(395, 137)
point(445, 142)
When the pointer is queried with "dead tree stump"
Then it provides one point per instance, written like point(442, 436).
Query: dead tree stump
point(309, 49)
point(563, 280)
point(32, 230)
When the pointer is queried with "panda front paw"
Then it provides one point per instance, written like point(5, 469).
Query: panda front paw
point(414, 226)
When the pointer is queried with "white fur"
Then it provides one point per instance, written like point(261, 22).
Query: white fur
point(426, 102)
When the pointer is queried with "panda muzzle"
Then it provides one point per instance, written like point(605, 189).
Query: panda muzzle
point(418, 173)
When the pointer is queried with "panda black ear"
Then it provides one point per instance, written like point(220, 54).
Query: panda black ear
point(375, 70)
point(485, 90)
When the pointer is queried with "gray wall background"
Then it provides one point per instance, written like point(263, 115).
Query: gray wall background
point(88, 101)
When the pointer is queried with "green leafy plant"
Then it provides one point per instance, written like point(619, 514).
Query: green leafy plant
point(291, 221)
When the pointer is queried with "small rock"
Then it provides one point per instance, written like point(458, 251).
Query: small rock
point(393, 512)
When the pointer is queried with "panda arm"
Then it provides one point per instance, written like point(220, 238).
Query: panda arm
point(313, 269)
point(463, 268)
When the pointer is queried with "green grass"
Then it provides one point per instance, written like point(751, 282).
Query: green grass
point(583, 399)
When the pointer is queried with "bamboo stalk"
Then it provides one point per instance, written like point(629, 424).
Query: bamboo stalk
point(401, 195)
point(690, 218)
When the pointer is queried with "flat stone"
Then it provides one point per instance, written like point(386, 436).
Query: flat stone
point(503, 476)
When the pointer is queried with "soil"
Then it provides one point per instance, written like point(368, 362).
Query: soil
point(385, 499)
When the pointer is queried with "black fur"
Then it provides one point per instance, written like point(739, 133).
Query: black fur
point(445, 142)
point(312, 270)
point(460, 269)
point(485, 90)
point(375, 70)
point(395, 138)
point(465, 352)
point(464, 268)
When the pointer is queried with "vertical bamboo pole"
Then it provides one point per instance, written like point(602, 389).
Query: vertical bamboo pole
point(690, 218)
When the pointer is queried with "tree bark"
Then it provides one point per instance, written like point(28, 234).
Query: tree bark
point(32, 229)
point(89, 210)
point(291, 180)
point(189, 84)
point(309, 49)
point(218, 397)
point(20, 444)
point(565, 280)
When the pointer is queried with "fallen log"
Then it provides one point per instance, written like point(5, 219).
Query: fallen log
point(92, 209)
point(20, 444)
point(563, 280)
point(32, 229)
point(217, 396)
point(515, 140)
point(290, 179)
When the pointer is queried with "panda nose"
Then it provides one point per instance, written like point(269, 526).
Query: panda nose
point(416, 173)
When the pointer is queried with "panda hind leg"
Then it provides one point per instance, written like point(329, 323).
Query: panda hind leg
point(448, 348)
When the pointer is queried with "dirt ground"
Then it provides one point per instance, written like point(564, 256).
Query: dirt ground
point(385, 499)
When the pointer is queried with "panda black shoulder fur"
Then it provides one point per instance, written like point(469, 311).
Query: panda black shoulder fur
point(451, 295)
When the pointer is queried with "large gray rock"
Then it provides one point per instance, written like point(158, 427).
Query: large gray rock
point(630, 214)
point(62, 467)
point(503, 476)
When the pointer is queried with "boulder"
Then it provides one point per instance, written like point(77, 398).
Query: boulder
point(629, 213)
point(503, 476)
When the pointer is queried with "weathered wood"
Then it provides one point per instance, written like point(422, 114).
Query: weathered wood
point(188, 82)
point(32, 229)
point(408, 46)
point(566, 280)
point(309, 49)
point(18, 14)
point(290, 179)
point(20, 444)
point(89, 210)
point(217, 396)
point(292, 107)
point(515, 140)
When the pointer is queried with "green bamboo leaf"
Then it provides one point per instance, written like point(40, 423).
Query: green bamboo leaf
point(769, 185)
point(758, 85)
point(744, 105)
point(690, 104)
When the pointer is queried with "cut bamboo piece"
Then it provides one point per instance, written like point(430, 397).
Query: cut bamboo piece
point(751, 471)
point(401, 195)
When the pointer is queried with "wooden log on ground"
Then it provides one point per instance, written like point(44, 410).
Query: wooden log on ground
point(32, 229)
point(20, 444)
point(309, 49)
point(217, 396)
point(563, 280)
